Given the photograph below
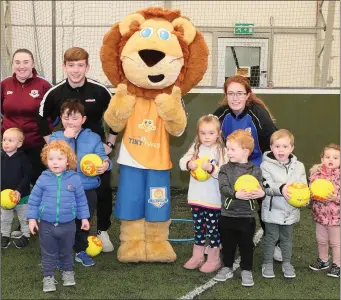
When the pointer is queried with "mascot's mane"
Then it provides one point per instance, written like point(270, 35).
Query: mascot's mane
point(194, 63)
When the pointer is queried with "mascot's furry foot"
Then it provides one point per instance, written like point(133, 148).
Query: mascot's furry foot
point(133, 245)
point(158, 249)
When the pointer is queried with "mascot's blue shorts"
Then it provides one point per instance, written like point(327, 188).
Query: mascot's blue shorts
point(143, 193)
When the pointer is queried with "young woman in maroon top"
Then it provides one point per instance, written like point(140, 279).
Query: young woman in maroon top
point(21, 95)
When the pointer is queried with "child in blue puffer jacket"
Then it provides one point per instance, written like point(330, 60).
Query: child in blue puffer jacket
point(57, 199)
point(82, 141)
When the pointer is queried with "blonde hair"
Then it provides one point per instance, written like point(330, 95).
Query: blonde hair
point(18, 132)
point(64, 149)
point(330, 146)
point(246, 84)
point(220, 143)
point(243, 138)
point(282, 133)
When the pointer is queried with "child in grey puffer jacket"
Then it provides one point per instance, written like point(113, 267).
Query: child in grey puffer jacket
point(280, 168)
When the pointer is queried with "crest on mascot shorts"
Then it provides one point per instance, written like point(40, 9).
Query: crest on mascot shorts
point(158, 196)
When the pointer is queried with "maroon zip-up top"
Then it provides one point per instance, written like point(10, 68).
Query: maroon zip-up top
point(19, 106)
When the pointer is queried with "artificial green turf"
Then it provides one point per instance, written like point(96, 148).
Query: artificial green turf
point(21, 276)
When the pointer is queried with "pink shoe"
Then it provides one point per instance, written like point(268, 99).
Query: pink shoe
point(213, 262)
point(197, 259)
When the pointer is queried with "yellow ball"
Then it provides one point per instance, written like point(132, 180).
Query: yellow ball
point(199, 174)
point(321, 188)
point(247, 182)
point(8, 199)
point(88, 164)
point(300, 194)
point(95, 246)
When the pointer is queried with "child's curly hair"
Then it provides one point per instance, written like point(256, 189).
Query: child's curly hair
point(64, 149)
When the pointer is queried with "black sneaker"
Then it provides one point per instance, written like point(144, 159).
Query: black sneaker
point(334, 271)
point(21, 242)
point(5, 242)
point(319, 265)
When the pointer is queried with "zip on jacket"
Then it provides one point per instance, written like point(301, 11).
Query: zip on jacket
point(59, 179)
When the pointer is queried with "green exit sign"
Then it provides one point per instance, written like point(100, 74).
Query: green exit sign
point(244, 28)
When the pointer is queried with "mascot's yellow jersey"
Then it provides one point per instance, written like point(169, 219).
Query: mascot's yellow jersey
point(145, 141)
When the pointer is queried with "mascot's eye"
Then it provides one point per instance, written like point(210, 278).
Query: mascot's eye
point(146, 32)
point(164, 34)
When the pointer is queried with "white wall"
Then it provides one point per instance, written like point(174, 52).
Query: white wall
point(294, 54)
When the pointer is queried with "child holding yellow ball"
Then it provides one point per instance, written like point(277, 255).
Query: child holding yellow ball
point(16, 171)
point(83, 141)
point(237, 222)
point(327, 213)
point(280, 168)
point(204, 196)
point(57, 199)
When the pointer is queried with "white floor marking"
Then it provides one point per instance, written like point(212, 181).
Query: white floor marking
point(200, 289)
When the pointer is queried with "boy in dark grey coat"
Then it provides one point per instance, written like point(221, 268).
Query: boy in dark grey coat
point(237, 222)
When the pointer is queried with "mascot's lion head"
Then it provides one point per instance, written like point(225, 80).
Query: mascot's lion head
point(153, 50)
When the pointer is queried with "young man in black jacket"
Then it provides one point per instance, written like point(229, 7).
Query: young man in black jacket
point(16, 172)
point(95, 97)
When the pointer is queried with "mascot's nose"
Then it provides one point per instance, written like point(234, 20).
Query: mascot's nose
point(151, 57)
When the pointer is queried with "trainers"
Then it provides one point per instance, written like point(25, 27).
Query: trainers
point(21, 242)
point(84, 259)
point(49, 284)
point(107, 244)
point(278, 254)
point(268, 271)
point(224, 274)
point(17, 233)
point(68, 278)
point(288, 270)
point(319, 265)
point(334, 271)
point(247, 279)
point(5, 242)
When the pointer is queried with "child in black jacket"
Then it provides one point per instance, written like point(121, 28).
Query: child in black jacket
point(15, 174)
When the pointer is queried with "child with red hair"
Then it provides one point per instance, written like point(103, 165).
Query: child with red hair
point(57, 199)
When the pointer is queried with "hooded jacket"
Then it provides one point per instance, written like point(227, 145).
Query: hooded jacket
point(275, 208)
point(86, 142)
point(231, 206)
point(19, 106)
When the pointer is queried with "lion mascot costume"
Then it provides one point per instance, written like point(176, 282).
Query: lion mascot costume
point(153, 57)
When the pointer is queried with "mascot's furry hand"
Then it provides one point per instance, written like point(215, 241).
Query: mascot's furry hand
point(170, 109)
point(119, 109)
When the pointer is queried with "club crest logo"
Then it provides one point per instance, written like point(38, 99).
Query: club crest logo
point(9, 93)
point(158, 196)
point(34, 93)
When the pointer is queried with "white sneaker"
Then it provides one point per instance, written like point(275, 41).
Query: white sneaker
point(17, 234)
point(107, 244)
point(278, 254)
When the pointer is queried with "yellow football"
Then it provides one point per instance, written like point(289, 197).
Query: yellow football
point(199, 174)
point(95, 246)
point(246, 182)
point(89, 163)
point(8, 199)
point(320, 189)
point(300, 194)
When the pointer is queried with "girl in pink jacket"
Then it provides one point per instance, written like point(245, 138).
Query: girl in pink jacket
point(327, 214)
